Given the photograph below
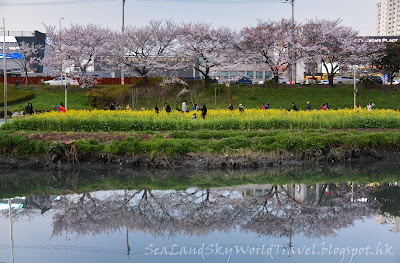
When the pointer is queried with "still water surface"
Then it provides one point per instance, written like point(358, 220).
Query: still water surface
point(279, 215)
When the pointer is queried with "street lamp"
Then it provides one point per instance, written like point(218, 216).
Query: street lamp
point(62, 62)
point(355, 88)
point(123, 28)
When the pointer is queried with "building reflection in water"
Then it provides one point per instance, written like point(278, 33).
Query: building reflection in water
point(317, 210)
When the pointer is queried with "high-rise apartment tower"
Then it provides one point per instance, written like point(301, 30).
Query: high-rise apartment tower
point(388, 18)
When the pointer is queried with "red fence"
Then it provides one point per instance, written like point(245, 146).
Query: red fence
point(103, 81)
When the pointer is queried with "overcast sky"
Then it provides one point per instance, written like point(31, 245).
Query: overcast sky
point(27, 15)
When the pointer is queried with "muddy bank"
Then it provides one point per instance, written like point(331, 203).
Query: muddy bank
point(195, 161)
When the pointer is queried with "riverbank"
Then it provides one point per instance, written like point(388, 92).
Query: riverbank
point(203, 149)
point(80, 179)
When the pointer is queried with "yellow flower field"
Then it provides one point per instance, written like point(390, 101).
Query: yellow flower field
point(100, 120)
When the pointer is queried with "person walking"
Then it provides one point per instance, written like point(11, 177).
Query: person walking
point(294, 107)
point(184, 106)
point(28, 109)
point(369, 106)
point(204, 111)
point(167, 108)
point(308, 107)
point(357, 107)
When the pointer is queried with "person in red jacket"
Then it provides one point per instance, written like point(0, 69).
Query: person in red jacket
point(61, 108)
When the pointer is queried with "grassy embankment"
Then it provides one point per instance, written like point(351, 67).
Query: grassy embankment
point(44, 97)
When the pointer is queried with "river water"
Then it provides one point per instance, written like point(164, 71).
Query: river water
point(294, 214)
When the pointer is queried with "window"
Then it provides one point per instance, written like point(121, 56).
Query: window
point(258, 192)
point(241, 73)
point(259, 75)
point(249, 192)
point(250, 74)
point(268, 75)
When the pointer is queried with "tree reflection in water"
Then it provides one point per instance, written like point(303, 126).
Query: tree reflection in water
point(319, 211)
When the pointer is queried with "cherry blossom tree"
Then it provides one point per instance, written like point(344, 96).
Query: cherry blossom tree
point(27, 58)
point(78, 47)
point(147, 49)
point(337, 47)
point(214, 48)
point(274, 43)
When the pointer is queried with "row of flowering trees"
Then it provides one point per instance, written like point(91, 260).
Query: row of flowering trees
point(165, 45)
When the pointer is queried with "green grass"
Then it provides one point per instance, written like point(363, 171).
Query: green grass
point(46, 100)
point(337, 97)
point(250, 96)
point(15, 96)
point(45, 97)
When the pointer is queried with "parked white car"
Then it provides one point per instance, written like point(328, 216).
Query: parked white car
point(280, 81)
point(309, 81)
point(394, 82)
point(344, 80)
point(283, 81)
point(323, 82)
point(62, 81)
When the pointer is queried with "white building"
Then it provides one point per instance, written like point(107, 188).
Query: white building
point(388, 18)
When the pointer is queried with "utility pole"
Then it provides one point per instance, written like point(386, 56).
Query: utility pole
point(5, 70)
point(123, 28)
point(292, 63)
point(11, 230)
point(62, 72)
point(123, 15)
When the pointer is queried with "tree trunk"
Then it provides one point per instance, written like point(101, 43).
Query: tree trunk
point(330, 78)
point(144, 78)
point(206, 81)
point(26, 78)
